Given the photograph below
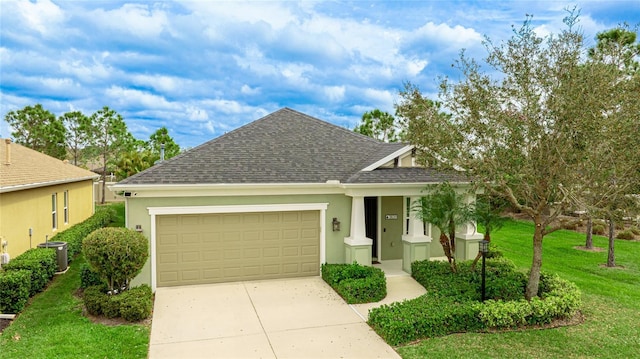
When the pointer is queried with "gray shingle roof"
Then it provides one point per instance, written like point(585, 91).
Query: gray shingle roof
point(284, 147)
point(406, 175)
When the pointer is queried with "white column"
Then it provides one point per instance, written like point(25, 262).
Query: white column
point(358, 234)
point(416, 229)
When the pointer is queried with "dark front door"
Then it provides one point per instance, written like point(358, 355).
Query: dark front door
point(371, 222)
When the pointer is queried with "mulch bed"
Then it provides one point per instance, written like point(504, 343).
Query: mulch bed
point(4, 323)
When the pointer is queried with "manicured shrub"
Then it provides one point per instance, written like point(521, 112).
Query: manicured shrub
point(494, 251)
point(89, 277)
point(116, 254)
point(75, 234)
point(136, 303)
point(598, 229)
point(15, 287)
point(133, 305)
point(451, 306)
point(635, 230)
point(356, 283)
point(40, 262)
point(95, 298)
point(47, 258)
point(626, 234)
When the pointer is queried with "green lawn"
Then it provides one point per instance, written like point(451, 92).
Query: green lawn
point(611, 307)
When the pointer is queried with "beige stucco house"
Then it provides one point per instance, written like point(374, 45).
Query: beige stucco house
point(39, 196)
point(278, 197)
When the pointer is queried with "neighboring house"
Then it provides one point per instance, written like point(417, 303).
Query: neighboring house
point(278, 197)
point(39, 196)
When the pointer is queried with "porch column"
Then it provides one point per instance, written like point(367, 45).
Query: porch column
point(467, 237)
point(357, 246)
point(416, 243)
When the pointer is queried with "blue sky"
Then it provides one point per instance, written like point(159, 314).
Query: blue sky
point(203, 68)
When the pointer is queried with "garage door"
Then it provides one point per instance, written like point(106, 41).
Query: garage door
point(213, 248)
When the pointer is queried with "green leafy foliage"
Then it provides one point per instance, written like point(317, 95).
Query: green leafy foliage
point(598, 229)
point(136, 303)
point(356, 283)
point(41, 264)
point(89, 278)
point(15, 286)
point(133, 305)
point(380, 125)
point(38, 129)
point(626, 234)
point(95, 298)
point(116, 254)
point(452, 305)
point(74, 235)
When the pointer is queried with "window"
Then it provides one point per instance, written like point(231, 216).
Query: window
point(66, 207)
point(54, 214)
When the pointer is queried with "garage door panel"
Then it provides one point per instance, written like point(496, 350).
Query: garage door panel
point(212, 248)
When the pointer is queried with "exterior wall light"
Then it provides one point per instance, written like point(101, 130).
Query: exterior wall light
point(336, 224)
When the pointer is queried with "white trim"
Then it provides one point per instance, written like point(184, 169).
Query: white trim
point(155, 211)
point(379, 229)
point(388, 158)
point(21, 187)
point(238, 208)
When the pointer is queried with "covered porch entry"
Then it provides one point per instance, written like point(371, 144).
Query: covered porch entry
point(384, 230)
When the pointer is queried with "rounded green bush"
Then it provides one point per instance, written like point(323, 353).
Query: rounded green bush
point(598, 229)
point(116, 254)
point(15, 287)
point(626, 234)
point(136, 303)
point(95, 299)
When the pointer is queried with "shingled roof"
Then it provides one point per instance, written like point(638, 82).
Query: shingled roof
point(284, 147)
point(23, 168)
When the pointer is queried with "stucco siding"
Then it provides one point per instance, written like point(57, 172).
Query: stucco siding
point(392, 227)
point(33, 208)
point(339, 207)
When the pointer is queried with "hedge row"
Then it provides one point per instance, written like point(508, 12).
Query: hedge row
point(451, 304)
point(30, 272)
point(356, 283)
point(133, 305)
point(75, 234)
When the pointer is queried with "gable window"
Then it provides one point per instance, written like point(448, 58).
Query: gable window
point(54, 213)
point(66, 207)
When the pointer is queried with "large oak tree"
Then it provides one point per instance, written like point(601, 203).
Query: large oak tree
point(521, 124)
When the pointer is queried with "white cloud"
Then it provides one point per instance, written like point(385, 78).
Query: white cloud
point(129, 97)
point(334, 93)
point(139, 20)
point(42, 16)
point(247, 90)
point(197, 114)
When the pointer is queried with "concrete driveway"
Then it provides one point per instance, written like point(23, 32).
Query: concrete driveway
point(288, 318)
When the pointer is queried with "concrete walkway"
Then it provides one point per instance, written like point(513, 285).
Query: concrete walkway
point(289, 318)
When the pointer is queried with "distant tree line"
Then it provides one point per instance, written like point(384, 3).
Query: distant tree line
point(99, 142)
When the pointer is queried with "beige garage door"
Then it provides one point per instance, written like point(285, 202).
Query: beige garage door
point(213, 248)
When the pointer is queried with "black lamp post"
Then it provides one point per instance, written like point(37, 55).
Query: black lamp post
point(484, 249)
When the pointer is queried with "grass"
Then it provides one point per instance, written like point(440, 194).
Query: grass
point(611, 306)
point(52, 326)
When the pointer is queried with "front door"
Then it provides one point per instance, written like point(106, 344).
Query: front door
point(371, 223)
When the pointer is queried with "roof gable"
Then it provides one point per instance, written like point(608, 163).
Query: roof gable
point(22, 168)
point(284, 147)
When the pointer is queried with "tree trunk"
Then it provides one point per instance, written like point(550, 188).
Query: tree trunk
point(534, 276)
point(611, 258)
point(589, 243)
point(444, 241)
point(104, 177)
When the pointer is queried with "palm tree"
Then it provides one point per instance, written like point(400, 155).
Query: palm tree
point(446, 210)
point(487, 213)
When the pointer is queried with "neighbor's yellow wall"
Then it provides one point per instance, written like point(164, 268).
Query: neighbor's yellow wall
point(32, 208)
